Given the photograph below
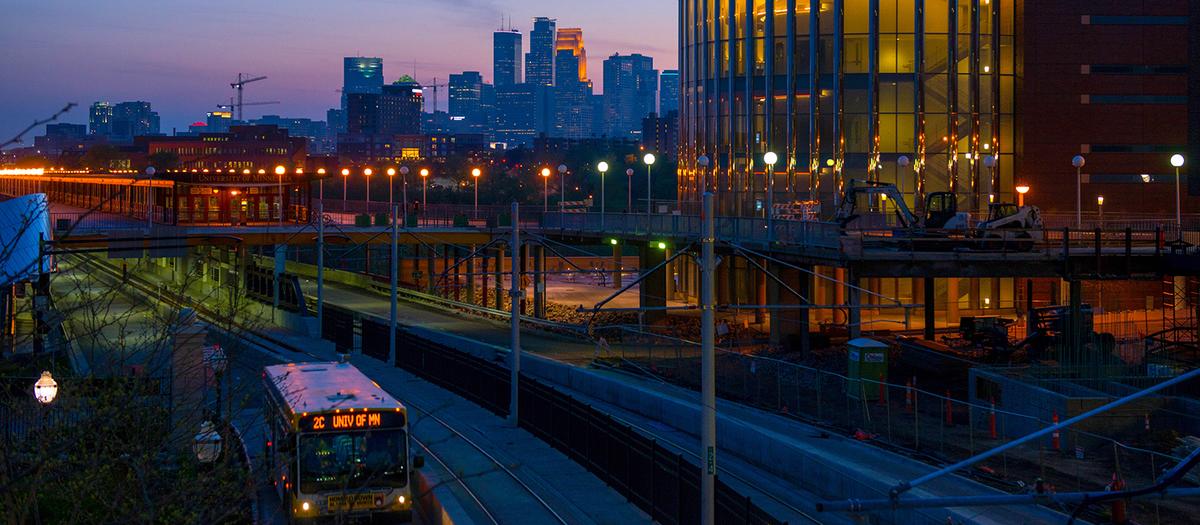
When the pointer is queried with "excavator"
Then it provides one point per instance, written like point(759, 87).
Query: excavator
point(878, 208)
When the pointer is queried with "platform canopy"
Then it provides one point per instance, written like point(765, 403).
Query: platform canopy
point(24, 222)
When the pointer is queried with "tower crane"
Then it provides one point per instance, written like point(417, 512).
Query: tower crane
point(434, 85)
point(242, 80)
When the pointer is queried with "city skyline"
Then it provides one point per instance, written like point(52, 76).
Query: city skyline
point(189, 75)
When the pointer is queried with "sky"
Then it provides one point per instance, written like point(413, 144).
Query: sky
point(180, 55)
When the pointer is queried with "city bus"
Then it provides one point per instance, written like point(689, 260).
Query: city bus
point(337, 444)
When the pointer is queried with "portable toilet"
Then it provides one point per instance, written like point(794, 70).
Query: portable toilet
point(867, 360)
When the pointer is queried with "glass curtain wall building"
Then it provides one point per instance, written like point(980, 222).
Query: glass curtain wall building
point(843, 89)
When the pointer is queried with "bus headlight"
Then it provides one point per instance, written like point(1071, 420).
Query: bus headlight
point(304, 506)
point(400, 500)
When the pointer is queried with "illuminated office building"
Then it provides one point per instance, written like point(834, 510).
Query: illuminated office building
point(539, 61)
point(571, 39)
point(842, 89)
point(506, 58)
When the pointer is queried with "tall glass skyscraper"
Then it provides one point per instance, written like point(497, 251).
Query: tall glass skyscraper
point(539, 61)
point(506, 58)
point(668, 91)
point(630, 93)
point(843, 89)
point(361, 75)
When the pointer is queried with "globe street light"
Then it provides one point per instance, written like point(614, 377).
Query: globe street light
point(345, 177)
point(1078, 162)
point(602, 167)
point(545, 190)
point(770, 158)
point(367, 173)
point(279, 171)
point(1022, 189)
point(562, 185)
point(45, 389)
point(150, 198)
point(391, 173)
point(702, 161)
point(321, 177)
point(1177, 161)
point(629, 190)
point(424, 187)
point(404, 184)
point(1100, 209)
point(475, 173)
point(649, 160)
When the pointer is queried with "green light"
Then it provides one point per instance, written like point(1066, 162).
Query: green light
point(662, 245)
point(612, 242)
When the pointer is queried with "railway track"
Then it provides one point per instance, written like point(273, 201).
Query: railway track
point(271, 345)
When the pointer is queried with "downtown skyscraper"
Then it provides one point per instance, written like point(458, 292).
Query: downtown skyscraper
point(539, 61)
point(506, 58)
point(668, 92)
point(630, 93)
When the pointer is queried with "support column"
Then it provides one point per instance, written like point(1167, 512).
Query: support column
point(952, 301)
point(483, 274)
point(854, 297)
point(653, 287)
point(788, 325)
point(539, 281)
point(805, 288)
point(669, 270)
point(430, 276)
point(760, 292)
point(839, 295)
point(1075, 290)
point(471, 276)
point(499, 281)
point(930, 317)
point(616, 266)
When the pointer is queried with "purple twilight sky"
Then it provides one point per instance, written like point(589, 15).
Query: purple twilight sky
point(181, 54)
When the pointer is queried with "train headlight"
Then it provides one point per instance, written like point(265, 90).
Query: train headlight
point(400, 500)
point(304, 506)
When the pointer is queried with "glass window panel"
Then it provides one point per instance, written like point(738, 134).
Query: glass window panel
point(888, 16)
point(905, 133)
point(1006, 55)
point(760, 18)
point(1006, 94)
point(887, 132)
point(905, 54)
point(1006, 17)
point(906, 12)
point(935, 53)
point(936, 14)
point(888, 53)
point(887, 97)
point(904, 97)
point(856, 53)
point(964, 16)
point(857, 18)
point(802, 16)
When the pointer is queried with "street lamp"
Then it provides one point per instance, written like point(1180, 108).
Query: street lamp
point(475, 173)
point(150, 198)
point(424, 186)
point(404, 184)
point(207, 444)
point(1078, 162)
point(649, 160)
point(279, 171)
point(46, 388)
point(545, 190)
point(602, 167)
point(770, 158)
point(367, 173)
point(1177, 161)
point(702, 161)
point(391, 173)
point(321, 177)
point(1022, 189)
point(345, 177)
point(1100, 209)
point(562, 185)
point(629, 190)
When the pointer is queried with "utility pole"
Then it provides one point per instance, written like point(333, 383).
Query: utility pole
point(708, 376)
point(321, 265)
point(392, 271)
point(515, 295)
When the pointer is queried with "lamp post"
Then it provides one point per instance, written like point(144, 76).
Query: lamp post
point(279, 171)
point(1022, 189)
point(1078, 162)
point(703, 161)
point(649, 160)
point(562, 185)
point(150, 172)
point(391, 173)
point(602, 167)
point(424, 187)
point(902, 162)
point(770, 158)
point(1100, 209)
point(367, 173)
point(545, 190)
point(207, 444)
point(404, 186)
point(45, 389)
point(989, 162)
point(629, 190)
point(1177, 161)
point(475, 173)
point(345, 177)
point(321, 190)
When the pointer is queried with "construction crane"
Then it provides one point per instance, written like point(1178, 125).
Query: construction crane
point(232, 105)
point(242, 80)
point(434, 85)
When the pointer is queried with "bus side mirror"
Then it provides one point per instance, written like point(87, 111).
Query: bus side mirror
point(418, 462)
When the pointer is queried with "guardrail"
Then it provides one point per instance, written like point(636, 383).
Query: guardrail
point(662, 483)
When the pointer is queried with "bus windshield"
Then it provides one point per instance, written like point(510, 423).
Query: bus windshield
point(353, 460)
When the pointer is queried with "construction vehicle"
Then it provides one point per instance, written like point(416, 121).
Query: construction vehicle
point(1010, 227)
point(872, 206)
